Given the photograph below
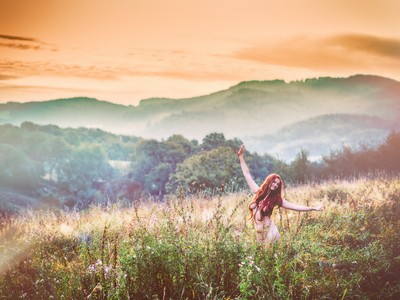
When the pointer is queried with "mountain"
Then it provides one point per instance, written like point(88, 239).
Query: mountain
point(280, 118)
point(323, 134)
point(73, 112)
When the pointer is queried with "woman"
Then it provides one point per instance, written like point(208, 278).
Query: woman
point(267, 196)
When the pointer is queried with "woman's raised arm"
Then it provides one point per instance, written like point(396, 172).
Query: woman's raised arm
point(246, 172)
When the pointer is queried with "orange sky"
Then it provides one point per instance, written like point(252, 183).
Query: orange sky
point(127, 50)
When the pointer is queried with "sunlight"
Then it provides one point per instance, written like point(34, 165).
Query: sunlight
point(65, 229)
point(11, 252)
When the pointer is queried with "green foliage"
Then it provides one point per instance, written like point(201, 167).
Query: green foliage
point(70, 166)
point(47, 162)
point(153, 162)
point(301, 166)
point(171, 251)
point(215, 140)
point(16, 169)
point(387, 153)
point(155, 181)
point(85, 166)
point(211, 170)
point(117, 147)
point(348, 162)
point(260, 165)
point(247, 103)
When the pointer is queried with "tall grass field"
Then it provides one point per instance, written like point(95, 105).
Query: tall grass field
point(204, 248)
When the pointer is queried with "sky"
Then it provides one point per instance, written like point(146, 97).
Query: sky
point(123, 51)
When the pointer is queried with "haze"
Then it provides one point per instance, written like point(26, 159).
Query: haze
point(123, 51)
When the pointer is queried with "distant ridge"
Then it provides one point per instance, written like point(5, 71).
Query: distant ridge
point(261, 113)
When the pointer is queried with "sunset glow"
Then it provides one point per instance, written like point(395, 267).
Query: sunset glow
point(123, 51)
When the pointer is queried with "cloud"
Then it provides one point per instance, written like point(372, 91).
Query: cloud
point(39, 88)
point(182, 65)
point(7, 77)
point(175, 64)
point(18, 38)
point(140, 63)
point(196, 75)
point(21, 46)
point(23, 43)
point(18, 68)
point(338, 52)
point(383, 47)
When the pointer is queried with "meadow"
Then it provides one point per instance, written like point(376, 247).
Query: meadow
point(203, 247)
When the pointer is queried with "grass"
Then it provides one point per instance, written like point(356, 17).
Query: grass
point(201, 248)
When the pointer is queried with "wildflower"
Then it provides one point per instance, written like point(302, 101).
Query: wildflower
point(94, 267)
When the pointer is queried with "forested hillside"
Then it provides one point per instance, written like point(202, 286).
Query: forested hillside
point(272, 117)
point(47, 166)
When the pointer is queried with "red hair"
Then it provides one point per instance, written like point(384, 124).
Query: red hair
point(265, 198)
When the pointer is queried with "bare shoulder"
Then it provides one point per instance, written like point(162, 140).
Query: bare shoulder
point(253, 205)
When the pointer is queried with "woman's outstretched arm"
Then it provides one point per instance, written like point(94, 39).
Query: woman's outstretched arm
point(246, 172)
point(297, 207)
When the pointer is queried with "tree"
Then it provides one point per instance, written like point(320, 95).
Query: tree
point(301, 166)
point(212, 141)
point(211, 170)
point(283, 169)
point(180, 146)
point(29, 126)
point(85, 166)
point(153, 162)
point(11, 135)
point(341, 162)
point(156, 180)
point(17, 170)
point(215, 140)
point(148, 154)
point(388, 153)
point(260, 165)
point(54, 153)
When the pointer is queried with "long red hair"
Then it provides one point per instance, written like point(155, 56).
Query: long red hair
point(265, 198)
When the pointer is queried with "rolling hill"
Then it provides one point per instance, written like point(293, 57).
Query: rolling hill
point(280, 118)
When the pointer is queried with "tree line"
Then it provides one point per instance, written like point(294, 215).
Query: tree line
point(72, 167)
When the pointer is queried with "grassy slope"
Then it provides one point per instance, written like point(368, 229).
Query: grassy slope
point(204, 249)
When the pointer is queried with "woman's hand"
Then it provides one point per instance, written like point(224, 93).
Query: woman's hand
point(319, 207)
point(241, 151)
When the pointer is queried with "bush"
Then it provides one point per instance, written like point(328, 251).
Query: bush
point(198, 248)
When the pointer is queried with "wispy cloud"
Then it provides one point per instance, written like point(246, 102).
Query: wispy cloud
point(181, 64)
point(21, 46)
point(174, 64)
point(18, 68)
point(201, 75)
point(23, 43)
point(339, 52)
point(17, 38)
point(379, 46)
point(7, 77)
point(39, 88)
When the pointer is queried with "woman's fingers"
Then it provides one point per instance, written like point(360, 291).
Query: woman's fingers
point(241, 150)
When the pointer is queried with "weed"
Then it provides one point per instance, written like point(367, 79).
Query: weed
point(199, 247)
